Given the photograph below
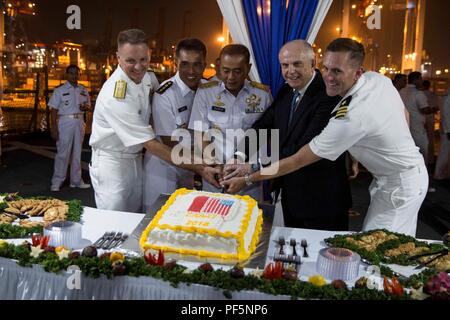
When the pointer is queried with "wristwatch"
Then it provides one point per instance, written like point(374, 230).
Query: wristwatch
point(248, 182)
point(255, 167)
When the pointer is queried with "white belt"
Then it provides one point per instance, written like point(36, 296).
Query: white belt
point(73, 116)
point(116, 154)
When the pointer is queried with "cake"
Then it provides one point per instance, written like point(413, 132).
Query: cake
point(205, 224)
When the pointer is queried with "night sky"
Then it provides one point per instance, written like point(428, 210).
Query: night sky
point(205, 22)
point(390, 36)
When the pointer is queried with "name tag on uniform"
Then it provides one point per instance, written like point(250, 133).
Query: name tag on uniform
point(66, 94)
point(182, 109)
point(254, 110)
point(216, 108)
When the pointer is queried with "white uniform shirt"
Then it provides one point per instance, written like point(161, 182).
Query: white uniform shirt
point(172, 106)
point(373, 129)
point(122, 125)
point(67, 99)
point(216, 108)
point(414, 101)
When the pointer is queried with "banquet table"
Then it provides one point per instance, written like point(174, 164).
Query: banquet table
point(18, 282)
point(26, 283)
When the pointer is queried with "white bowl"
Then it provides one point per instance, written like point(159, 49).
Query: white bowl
point(64, 233)
point(338, 264)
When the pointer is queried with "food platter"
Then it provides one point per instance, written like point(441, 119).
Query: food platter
point(21, 217)
point(383, 246)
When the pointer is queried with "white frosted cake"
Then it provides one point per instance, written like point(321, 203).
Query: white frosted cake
point(205, 224)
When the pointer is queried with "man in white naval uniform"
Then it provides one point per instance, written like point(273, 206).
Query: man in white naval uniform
point(121, 129)
point(68, 104)
point(417, 104)
point(370, 123)
point(235, 103)
point(171, 109)
point(443, 160)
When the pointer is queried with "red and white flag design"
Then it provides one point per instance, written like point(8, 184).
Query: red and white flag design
point(205, 204)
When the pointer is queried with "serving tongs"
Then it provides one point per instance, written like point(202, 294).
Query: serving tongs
point(444, 252)
point(441, 252)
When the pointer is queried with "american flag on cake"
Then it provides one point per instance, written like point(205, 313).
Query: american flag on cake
point(205, 204)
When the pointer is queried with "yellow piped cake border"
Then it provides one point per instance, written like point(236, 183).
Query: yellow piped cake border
point(242, 254)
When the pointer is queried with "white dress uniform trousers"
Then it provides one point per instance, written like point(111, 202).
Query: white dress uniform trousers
point(443, 160)
point(120, 128)
point(67, 99)
point(370, 123)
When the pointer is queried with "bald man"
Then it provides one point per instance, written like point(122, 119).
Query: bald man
point(316, 197)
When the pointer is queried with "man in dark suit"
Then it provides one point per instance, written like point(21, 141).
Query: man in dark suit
point(318, 196)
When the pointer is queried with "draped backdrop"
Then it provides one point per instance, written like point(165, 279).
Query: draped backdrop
point(264, 26)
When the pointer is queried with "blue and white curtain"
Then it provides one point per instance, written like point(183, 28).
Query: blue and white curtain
point(265, 25)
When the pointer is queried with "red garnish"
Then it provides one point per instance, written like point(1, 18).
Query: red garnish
point(392, 287)
point(40, 241)
point(272, 271)
point(153, 259)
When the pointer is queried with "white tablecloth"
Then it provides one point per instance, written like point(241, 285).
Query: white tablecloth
point(34, 283)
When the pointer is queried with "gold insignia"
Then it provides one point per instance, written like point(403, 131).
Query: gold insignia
point(260, 86)
point(209, 84)
point(164, 87)
point(343, 108)
point(218, 102)
point(120, 89)
point(252, 101)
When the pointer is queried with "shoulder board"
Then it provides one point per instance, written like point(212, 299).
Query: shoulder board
point(60, 85)
point(120, 89)
point(259, 86)
point(209, 84)
point(343, 108)
point(164, 87)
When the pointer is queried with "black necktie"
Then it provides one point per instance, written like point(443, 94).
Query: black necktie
point(294, 104)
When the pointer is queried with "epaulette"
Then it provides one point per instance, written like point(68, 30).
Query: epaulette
point(209, 84)
point(343, 108)
point(260, 86)
point(120, 89)
point(164, 87)
point(60, 85)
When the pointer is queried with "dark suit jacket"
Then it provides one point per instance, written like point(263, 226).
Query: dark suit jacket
point(320, 189)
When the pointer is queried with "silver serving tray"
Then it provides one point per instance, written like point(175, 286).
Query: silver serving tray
point(257, 259)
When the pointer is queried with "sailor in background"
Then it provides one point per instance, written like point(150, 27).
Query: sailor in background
point(171, 110)
point(234, 103)
point(417, 105)
point(443, 160)
point(68, 104)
